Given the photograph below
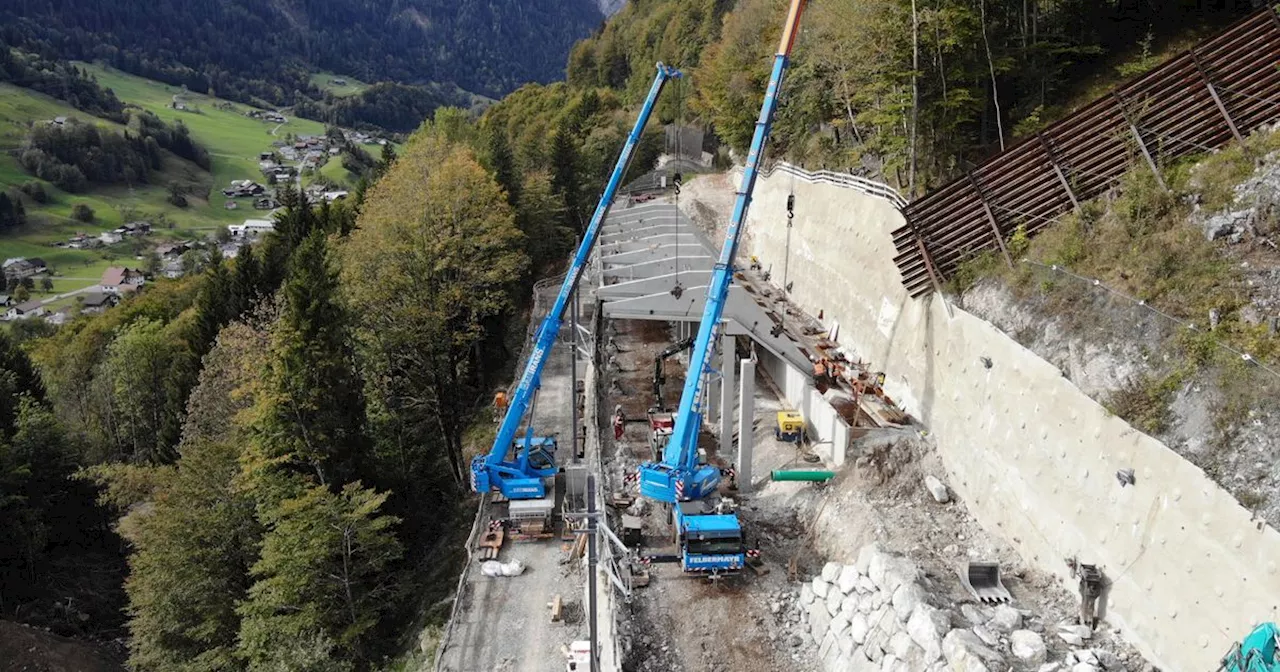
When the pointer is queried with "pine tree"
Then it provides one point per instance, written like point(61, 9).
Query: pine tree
point(387, 160)
point(323, 579)
point(296, 220)
point(310, 414)
point(213, 305)
point(503, 165)
point(246, 282)
point(540, 216)
point(565, 179)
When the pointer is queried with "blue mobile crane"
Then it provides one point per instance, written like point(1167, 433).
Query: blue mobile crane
point(516, 467)
point(712, 542)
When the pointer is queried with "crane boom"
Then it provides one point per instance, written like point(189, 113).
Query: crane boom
point(522, 478)
point(678, 476)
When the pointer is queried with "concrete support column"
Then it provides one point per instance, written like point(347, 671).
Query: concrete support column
point(746, 422)
point(728, 362)
point(711, 399)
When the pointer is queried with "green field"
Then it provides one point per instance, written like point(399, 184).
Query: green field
point(324, 81)
point(233, 139)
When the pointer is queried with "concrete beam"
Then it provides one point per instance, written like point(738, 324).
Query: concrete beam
point(654, 285)
point(746, 423)
point(631, 234)
point(614, 226)
point(743, 317)
point(649, 269)
point(653, 253)
point(647, 243)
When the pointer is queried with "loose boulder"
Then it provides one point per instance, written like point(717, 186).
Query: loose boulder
point(936, 488)
point(1028, 646)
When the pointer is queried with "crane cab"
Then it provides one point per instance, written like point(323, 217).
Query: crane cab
point(542, 454)
point(660, 425)
point(521, 473)
point(789, 427)
point(710, 541)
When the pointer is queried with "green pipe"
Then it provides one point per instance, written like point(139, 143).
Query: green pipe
point(803, 475)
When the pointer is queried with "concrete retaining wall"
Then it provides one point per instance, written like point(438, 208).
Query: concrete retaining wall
point(1033, 457)
point(827, 432)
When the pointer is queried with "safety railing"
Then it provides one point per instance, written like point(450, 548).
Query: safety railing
point(843, 180)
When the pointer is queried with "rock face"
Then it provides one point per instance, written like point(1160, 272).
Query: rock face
point(1228, 225)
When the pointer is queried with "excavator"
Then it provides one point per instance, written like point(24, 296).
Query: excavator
point(1256, 653)
point(518, 467)
point(661, 419)
point(709, 538)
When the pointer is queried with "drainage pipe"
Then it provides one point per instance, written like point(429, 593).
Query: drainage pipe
point(803, 475)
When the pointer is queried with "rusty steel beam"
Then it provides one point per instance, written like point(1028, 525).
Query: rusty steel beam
point(1142, 145)
point(1057, 170)
point(1181, 105)
point(1213, 93)
point(991, 217)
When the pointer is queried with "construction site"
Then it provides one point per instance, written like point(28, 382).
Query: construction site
point(741, 442)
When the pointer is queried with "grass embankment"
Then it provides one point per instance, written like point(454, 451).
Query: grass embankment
point(233, 139)
point(325, 81)
point(1147, 244)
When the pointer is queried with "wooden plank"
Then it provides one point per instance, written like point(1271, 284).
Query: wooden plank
point(557, 608)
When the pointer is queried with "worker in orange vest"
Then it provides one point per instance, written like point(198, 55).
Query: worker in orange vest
point(499, 405)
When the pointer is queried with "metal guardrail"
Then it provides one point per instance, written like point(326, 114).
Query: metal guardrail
point(1217, 91)
point(845, 180)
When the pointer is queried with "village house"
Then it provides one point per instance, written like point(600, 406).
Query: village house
point(265, 203)
point(241, 188)
point(98, 302)
point(6, 300)
point(173, 250)
point(110, 237)
point(331, 196)
point(18, 268)
point(251, 227)
point(138, 228)
point(121, 280)
point(24, 310)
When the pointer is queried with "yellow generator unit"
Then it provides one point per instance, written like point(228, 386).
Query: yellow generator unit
point(790, 427)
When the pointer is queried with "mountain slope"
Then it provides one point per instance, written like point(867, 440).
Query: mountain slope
point(251, 48)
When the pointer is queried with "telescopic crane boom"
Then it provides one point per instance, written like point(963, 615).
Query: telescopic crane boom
point(534, 457)
point(678, 477)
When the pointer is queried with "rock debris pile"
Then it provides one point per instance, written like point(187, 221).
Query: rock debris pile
point(878, 614)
